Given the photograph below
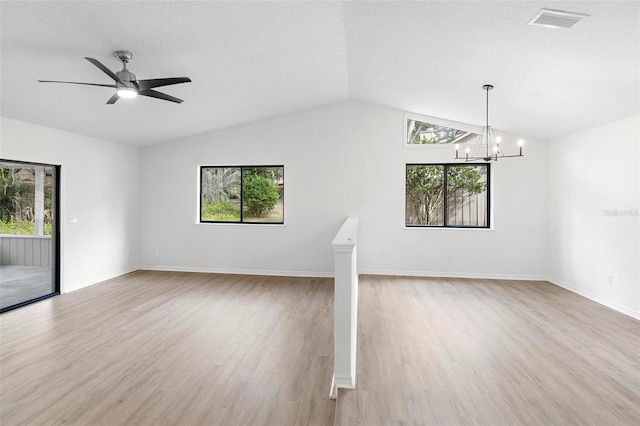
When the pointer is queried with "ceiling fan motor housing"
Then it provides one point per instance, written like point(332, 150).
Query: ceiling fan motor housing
point(126, 76)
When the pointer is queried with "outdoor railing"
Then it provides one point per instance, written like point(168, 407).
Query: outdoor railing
point(26, 250)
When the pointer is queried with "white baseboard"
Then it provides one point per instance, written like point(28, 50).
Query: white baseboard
point(436, 274)
point(268, 272)
point(320, 274)
point(596, 298)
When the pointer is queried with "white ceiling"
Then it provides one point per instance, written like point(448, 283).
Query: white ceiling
point(253, 60)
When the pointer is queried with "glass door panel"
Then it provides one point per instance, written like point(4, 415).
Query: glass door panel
point(28, 233)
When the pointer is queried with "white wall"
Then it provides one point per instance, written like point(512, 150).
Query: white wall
point(99, 182)
point(592, 174)
point(340, 160)
point(552, 208)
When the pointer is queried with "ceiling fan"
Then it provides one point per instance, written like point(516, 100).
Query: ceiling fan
point(126, 84)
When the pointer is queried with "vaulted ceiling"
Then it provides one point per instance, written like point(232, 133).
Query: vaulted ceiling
point(252, 60)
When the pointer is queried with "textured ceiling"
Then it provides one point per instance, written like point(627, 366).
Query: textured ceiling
point(253, 60)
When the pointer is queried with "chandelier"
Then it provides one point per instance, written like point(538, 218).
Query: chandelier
point(487, 146)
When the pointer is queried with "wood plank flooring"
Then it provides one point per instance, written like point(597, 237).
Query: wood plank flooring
point(153, 348)
point(187, 349)
point(486, 352)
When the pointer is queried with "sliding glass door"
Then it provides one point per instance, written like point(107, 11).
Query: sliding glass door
point(29, 233)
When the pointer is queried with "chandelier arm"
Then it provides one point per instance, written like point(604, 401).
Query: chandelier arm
point(514, 155)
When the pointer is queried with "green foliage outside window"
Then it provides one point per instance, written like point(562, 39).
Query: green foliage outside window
point(220, 211)
point(242, 194)
point(446, 195)
point(17, 202)
point(259, 194)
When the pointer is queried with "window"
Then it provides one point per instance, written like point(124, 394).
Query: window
point(447, 195)
point(424, 133)
point(242, 194)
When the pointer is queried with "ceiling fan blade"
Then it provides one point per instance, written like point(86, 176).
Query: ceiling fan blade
point(74, 82)
point(105, 70)
point(157, 82)
point(112, 100)
point(158, 95)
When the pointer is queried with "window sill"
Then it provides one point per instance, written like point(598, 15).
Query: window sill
point(243, 225)
point(443, 229)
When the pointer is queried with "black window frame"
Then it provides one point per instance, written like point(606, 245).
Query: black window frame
point(446, 202)
point(242, 168)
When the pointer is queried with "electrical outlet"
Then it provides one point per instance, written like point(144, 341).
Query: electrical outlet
point(609, 280)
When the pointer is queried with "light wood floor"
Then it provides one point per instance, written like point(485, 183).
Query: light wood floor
point(485, 352)
point(172, 348)
point(182, 349)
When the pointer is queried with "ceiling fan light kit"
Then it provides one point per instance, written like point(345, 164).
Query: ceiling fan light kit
point(126, 84)
point(127, 92)
point(487, 147)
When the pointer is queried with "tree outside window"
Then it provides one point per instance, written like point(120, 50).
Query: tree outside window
point(447, 195)
point(26, 199)
point(242, 194)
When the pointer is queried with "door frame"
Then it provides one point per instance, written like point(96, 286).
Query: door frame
point(55, 233)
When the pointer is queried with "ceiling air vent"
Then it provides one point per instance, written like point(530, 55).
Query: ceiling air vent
point(556, 18)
